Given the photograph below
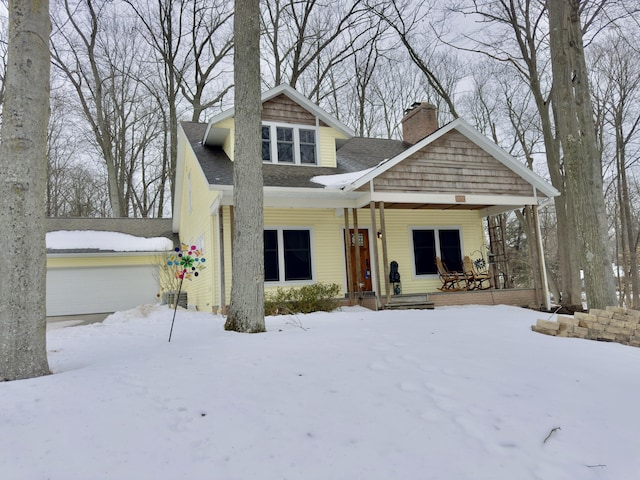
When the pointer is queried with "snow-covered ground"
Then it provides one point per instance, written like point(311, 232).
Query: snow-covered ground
point(454, 393)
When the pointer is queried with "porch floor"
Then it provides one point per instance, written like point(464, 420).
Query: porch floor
point(519, 297)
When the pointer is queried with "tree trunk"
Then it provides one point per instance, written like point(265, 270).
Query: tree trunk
point(246, 311)
point(23, 167)
point(577, 135)
point(568, 262)
point(631, 273)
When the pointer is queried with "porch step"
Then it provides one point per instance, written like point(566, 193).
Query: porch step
point(409, 302)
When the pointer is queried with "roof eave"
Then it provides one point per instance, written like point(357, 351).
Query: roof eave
point(294, 95)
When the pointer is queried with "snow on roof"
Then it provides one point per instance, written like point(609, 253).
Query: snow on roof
point(108, 241)
point(341, 179)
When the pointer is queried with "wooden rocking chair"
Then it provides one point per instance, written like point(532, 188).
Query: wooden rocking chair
point(475, 279)
point(450, 280)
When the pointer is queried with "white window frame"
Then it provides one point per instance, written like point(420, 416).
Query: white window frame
point(273, 142)
point(281, 267)
point(436, 230)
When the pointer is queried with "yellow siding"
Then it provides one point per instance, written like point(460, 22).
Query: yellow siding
point(326, 239)
point(327, 146)
point(328, 244)
point(398, 224)
point(195, 224)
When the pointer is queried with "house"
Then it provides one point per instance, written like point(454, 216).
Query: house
point(102, 265)
point(408, 201)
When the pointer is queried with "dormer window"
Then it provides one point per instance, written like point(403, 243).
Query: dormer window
point(293, 144)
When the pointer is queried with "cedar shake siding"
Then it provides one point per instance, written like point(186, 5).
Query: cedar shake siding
point(452, 164)
point(284, 110)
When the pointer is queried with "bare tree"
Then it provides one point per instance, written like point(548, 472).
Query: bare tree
point(102, 58)
point(576, 131)
point(75, 188)
point(23, 169)
point(406, 18)
point(514, 33)
point(305, 40)
point(76, 51)
point(246, 311)
point(206, 81)
point(616, 86)
point(191, 41)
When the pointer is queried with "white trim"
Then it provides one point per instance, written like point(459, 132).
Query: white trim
point(450, 198)
point(295, 197)
point(213, 209)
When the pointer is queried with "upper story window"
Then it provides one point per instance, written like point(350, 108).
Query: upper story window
point(289, 144)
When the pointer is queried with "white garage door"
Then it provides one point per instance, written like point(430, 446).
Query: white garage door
point(74, 291)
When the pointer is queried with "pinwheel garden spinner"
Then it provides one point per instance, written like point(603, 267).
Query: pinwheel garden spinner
point(188, 262)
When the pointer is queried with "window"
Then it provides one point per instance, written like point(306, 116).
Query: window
point(287, 255)
point(292, 145)
point(271, 268)
point(285, 144)
point(431, 243)
point(424, 252)
point(266, 144)
point(308, 146)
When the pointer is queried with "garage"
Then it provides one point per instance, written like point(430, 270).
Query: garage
point(82, 290)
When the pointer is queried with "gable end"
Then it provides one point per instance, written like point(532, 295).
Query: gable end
point(282, 109)
point(452, 164)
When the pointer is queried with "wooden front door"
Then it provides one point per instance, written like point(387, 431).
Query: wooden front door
point(361, 274)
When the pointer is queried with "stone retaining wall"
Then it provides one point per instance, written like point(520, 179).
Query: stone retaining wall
point(614, 324)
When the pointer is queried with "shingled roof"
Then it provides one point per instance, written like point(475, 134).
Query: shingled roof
point(360, 153)
point(355, 155)
point(139, 227)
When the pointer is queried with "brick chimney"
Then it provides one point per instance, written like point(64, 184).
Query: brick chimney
point(419, 120)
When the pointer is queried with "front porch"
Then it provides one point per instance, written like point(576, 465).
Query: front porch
point(517, 297)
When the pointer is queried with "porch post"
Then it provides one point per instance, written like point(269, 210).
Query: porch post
point(347, 255)
point(385, 256)
point(543, 267)
point(223, 294)
point(372, 208)
point(356, 232)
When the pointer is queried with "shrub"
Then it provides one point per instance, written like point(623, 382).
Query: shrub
point(319, 297)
